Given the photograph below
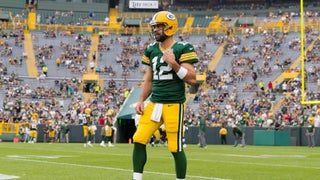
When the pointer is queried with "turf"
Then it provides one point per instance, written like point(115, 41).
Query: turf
point(74, 161)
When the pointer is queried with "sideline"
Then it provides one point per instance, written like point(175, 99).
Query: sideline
point(257, 164)
point(266, 156)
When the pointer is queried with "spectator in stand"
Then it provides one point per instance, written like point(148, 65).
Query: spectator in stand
point(287, 117)
point(261, 86)
point(45, 70)
point(101, 120)
point(92, 65)
point(317, 119)
point(91, 13)
point(254, 77)
point(270, 87)
point(58, 62)
point(94, 56)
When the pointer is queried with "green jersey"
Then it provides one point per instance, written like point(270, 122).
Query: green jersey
point(63, 129)
point(202, 126)
point(310, 128)
point(237, 131)
point(167, 87)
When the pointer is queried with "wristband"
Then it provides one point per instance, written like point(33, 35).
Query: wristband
point(182, 72)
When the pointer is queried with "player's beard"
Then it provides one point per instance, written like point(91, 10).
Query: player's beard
point(160, 37)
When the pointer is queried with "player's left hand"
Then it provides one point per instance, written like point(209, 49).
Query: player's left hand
point(168, 57)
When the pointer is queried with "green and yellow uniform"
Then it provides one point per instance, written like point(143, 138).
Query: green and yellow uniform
point(167, 89)
point(33, 131)
point(85, 132)
point(108, 129)
point(52, 134)
point(92, 131)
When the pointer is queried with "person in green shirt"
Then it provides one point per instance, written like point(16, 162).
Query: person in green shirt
point(202, 132)
point(63, 131)
point(238, 135)
point(310, 132)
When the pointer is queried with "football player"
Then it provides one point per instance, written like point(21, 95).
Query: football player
point(91, 133)
point(85, 133)
point(169, 67)
point(108, 130)
point(33, 131)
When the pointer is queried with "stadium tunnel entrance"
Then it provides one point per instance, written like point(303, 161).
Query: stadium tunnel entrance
point(130, 26)
point(126, 118)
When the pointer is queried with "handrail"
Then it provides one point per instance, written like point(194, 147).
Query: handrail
point(259, 26)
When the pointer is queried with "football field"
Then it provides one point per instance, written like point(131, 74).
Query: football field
point(75, 162)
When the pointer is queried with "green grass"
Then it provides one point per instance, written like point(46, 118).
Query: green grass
point(73, 161)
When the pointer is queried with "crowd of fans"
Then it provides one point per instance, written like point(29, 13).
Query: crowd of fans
point(218, 100)
point(222, 103)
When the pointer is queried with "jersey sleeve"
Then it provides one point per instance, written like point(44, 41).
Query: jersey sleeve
point(147, 53)
point(188, 54)
point(145, 59)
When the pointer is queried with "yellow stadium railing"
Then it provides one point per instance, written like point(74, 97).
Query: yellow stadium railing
point(259, 26)
point(10, 128)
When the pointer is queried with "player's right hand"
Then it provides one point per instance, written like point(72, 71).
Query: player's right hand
point(140, 108)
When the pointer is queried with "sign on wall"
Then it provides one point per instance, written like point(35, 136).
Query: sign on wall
point(136, 4)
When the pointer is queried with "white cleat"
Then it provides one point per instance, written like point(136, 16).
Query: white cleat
point(102, 145)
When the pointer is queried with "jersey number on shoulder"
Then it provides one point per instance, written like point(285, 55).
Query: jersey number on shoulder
point(163, 72)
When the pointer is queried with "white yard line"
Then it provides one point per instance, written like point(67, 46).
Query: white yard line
point(108, 168)
point(5, 177)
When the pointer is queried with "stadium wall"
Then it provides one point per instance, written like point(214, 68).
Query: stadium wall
point(294, 136)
